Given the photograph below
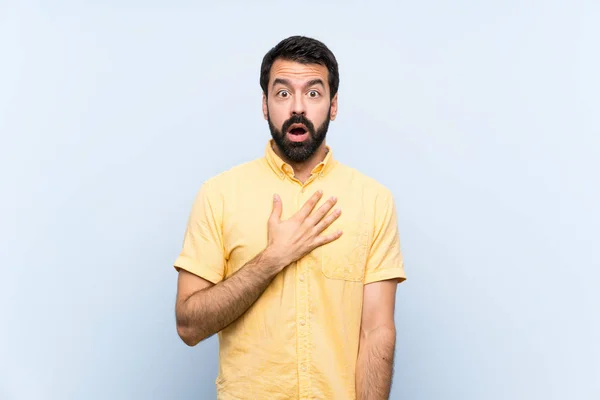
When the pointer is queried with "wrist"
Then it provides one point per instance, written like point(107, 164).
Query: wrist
point(273, 260)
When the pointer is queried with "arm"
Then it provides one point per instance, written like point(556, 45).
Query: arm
point(203, 309)
point(374, 367)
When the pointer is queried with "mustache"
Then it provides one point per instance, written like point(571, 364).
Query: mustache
point(298, 119)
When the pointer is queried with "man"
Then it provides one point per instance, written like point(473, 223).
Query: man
point(294, 258)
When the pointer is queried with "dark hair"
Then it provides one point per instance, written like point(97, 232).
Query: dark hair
point(304, 50)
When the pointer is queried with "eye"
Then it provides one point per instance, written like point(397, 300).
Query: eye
point(283, 93)
point(313, 94)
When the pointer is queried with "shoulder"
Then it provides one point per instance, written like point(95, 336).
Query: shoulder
point(233, 177)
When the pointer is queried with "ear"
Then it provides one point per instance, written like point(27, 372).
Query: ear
point(334, 107)
point(265, 108)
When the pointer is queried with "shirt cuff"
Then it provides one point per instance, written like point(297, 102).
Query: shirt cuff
point(189, 265)
point(384, 274)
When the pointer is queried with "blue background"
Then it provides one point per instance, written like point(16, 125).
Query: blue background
point(481, 117)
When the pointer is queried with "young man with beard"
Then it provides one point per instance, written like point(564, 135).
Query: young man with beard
point(294, 258)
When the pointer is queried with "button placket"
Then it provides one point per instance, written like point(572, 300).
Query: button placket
point(302, 317)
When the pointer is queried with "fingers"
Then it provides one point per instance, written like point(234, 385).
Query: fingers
point(327, 221)
point(324, 239)
point(322, 211)
point(310, 204)
point(276, 212)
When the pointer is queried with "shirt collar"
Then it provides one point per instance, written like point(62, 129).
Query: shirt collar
point(281, 168)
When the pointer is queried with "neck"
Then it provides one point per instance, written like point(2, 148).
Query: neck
point(302, 170)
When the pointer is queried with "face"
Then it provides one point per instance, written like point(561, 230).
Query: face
point(298, 108)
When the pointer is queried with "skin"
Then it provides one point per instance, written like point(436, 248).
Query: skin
point(203, 308)
point(290, 93)
point(375, 363)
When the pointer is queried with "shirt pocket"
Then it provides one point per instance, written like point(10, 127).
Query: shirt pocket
point(346, 258)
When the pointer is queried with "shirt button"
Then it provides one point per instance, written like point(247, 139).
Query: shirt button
point(302, 321)
point(302, 278)
point(303, 367)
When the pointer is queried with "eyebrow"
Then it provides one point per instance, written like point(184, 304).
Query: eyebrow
point(286, 82)
point(315, 82)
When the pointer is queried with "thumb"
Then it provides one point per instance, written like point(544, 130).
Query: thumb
point(276, 212)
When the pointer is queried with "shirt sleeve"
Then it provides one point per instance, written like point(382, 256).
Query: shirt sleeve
point(385, 257)
point(203, 252)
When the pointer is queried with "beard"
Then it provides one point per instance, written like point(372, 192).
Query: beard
point(299, 151)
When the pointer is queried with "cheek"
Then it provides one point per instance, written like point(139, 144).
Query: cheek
point(277, 114)
point(318, 113)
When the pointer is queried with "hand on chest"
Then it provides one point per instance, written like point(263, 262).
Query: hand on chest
point(245, 232)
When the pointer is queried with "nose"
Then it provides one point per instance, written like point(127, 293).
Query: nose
point(298, 107)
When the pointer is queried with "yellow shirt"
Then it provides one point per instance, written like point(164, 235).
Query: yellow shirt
point(300, 339)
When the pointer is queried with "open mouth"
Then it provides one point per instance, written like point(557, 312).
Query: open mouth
point(297, 133)
point(297, 129)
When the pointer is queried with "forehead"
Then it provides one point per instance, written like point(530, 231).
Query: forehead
point(296, 72)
